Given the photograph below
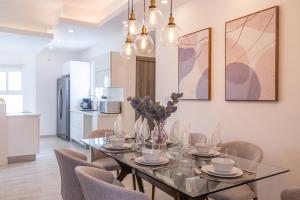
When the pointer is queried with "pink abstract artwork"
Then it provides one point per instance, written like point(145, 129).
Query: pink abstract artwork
point(194, 65)
point(251, 57)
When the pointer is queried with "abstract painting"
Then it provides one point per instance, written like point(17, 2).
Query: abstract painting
point(194, 65)
point(252, 57)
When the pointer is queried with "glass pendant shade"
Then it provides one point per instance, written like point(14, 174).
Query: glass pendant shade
point(144, 43)
point(170, 34)
point(128, 49)
point(154, 17)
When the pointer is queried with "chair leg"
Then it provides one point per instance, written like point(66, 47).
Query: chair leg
point(133, 182)
point(118, 172)
point(153, 192)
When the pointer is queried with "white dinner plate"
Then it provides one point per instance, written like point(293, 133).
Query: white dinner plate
point(142, 161)
point(209, 169)
point(111, 147)
point(209, 154)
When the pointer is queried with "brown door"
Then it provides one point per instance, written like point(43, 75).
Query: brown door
point(145, 79)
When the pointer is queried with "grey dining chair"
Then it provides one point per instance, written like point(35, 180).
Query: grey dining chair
point(99, 184)
point(67, 161)
point(290, 194)
point(194, 138)
point(247, 151)
point(100, 158)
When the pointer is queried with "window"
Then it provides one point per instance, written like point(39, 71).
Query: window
point(11, 88)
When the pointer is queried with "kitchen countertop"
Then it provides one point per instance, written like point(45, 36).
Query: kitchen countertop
point(24, 114)
point(93, 113)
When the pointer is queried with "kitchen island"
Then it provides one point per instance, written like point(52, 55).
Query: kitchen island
point(19, 136)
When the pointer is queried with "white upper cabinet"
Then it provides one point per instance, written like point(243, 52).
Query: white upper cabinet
point(80, 81)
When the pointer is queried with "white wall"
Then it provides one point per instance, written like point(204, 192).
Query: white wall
point(49, 68)
point(28, 62)
point(275, 126)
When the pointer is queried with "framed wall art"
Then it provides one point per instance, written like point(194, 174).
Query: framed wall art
point(251, 57)
point(194, 65)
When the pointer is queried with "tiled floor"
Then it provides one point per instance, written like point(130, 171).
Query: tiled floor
point(40, 180)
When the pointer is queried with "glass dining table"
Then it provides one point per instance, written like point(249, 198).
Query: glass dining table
point(182, 178)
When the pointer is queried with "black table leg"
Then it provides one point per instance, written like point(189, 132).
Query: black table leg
point(125, 170)
point(140, 183)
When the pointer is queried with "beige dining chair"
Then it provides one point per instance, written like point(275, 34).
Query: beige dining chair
point(247, 151)
point(99, 184)
point(67, 161)
point(290, 194)
point(100, 158)
point(194, 138)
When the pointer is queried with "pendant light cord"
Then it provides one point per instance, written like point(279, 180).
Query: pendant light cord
point(171, 9)
point(132, 5)
point(128, 10)
point(144, 11)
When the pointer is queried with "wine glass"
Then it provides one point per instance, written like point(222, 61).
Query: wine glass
point(216, 138)
point(118, 126)
point(175, 132)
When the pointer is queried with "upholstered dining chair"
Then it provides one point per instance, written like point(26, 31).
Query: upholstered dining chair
point(99, 184)
point(194, 138)
point(100, 158)
point(290, 194)
point(67, 161)
point(247, 151)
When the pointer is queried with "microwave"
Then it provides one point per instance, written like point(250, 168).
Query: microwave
point(110, 107)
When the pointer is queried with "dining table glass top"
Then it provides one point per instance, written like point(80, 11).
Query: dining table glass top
point(183, 172)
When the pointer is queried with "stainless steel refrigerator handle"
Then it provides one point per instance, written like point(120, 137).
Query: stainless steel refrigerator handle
point(60, 102)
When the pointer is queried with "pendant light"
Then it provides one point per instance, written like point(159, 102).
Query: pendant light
point(170, 34)
point(132, 23)
point(143, 42)
point(128, 51)
point(154, 17)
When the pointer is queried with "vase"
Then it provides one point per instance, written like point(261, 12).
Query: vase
point(159, 135)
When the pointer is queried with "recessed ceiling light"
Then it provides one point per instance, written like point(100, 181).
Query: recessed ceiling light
point(58, 40)
point(125, 22)
point(164, 1)
point(71, 31)
point(50, 47)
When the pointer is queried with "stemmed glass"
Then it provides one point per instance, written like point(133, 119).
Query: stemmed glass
point(118, 126)
point(216, 138)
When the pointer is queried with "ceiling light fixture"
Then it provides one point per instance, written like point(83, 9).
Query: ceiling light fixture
point(132, 23)
point(171, 33)
point(154, 16)
point(164, 1)
point(128, 49)
point(50, 47)
point(143, 42)
point(71, 31)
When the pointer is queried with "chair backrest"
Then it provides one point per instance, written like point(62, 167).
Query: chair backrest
point(197, 138)
point(290, 194)
point(100, 133)
point(97, 184)
point(244, 150)
point(67, 161)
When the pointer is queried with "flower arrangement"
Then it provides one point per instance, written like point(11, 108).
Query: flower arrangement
point(149, 109)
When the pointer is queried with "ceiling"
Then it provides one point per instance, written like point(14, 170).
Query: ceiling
point(63, 24)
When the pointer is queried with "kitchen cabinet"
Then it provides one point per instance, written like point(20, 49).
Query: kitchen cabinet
point(119, 73)
point(83, 122)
